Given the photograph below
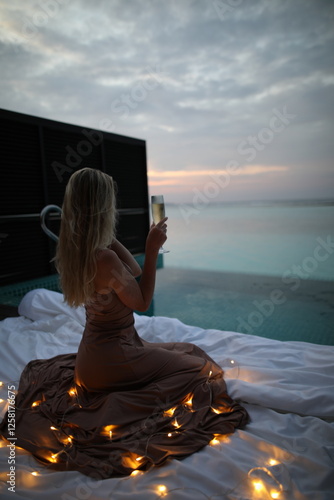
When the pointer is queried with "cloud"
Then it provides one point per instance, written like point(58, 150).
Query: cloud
point(221, 75)
point(174, 175)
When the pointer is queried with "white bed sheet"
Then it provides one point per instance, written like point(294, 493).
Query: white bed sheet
point(287, 388)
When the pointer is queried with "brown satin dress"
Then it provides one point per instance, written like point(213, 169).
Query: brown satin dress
point(121, 403)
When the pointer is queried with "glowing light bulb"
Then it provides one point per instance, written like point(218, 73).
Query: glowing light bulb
point(274, 494)
point(108, 430)
point(139, 459)
point(136, 473)
point(162, 489)
point(258, 485)
point(232, 361)
point(1, 383)
point(53, 428)
point(169, 434)
point(72, 392)
point(1, 400)
point(69, 440)
point(35, 473)
point(54, 456)
point(189, 402)
point(215, 410)
point(176, 424)
point(210, 373)
point(170, 412)
point(272, 462)
point(36, 403)
point(214, 441)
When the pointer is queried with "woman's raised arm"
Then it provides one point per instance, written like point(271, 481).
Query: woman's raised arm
point(113, 275)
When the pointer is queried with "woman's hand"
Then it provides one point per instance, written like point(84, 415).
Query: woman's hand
point(157, 236)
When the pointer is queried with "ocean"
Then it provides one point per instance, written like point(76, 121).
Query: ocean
point(271, 239)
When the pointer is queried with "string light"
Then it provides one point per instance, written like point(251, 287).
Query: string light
point(72, 392)
point(68, 440)
point(162, 490)
point(268, 477)
point(215, 410)
point(214, 441)
point(258, 485)
point(170, 412)
point(108, 430)
point(136, 473)
point(176, 424)
point(54, 456)
point(35, 473)
point(1, 400)
point(189, 401)
point(273, 462)
point(36, 403)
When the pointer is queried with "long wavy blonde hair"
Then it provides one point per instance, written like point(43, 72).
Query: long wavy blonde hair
point(87, 225)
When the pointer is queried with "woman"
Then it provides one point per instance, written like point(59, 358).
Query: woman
point(120, 403)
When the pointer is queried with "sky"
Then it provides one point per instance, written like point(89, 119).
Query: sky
point(234, 98)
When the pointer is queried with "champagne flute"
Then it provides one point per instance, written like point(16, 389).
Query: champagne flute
point(158, 212)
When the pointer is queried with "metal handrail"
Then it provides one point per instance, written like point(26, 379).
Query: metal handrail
point(43, 215)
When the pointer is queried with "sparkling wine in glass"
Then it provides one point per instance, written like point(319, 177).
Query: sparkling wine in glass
point(158, 212)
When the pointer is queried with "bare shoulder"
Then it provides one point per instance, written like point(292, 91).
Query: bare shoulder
point(107, 260)
point(106, 257)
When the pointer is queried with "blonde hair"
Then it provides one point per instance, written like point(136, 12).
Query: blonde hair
point(87, 225)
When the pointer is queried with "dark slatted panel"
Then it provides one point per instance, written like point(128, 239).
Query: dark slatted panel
point(132, 232)
point(21, 178)
point(24, 252)
point(126, 163)
point(65, 152)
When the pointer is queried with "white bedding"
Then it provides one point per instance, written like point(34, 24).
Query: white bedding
point(287, 388)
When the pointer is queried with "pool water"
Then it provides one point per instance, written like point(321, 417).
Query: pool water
point(271, 240)
point(261, 270)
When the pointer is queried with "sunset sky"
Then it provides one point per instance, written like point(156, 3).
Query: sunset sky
point(234, 98)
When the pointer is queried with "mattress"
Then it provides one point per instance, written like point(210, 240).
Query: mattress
point(285, 452)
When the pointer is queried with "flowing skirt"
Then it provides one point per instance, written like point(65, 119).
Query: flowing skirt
point(174, 403)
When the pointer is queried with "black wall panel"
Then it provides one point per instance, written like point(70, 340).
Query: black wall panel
point(21, 179)
point(127, 167)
